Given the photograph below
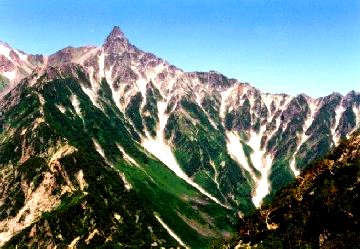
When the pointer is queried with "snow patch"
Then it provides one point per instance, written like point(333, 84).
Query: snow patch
point(198, 99)
point(255, 143)
point(313, 105)
point(171, 232)
point(21, 55)
point(5, 50)
point(76, 104)
point(92, 96)
point(263, 185)
point(127, 184)
point(98, 148)
point(356, 110)
point(115, 94)
point(80, 178)
point(160, 149)
point(224, 96)
point(92, 93)
point(141, 86)
point(61, 108)
point(261, 162)
point(236, 151)
point(338, 112)
point(127, 157)
point(267, 99)
point(10, 75)
point(101, 64)
point(293, 162)
point(303, 138)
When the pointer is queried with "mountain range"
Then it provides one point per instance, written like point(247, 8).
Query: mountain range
point(111, 145)
point(318, 210)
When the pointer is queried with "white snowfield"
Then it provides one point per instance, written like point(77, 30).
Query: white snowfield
point(171, 232)
point(224, 97)
point(11, 75)
point(262, 162)
point(160, 149)
point(175, 84)
point(102, 64)
point(5, 50)
point(236, 151)
point(338, 112)
point(261, 159)
point(76, 104)
point(356, 110)
point(21, 63)
point(303, 137)
point(98, 148)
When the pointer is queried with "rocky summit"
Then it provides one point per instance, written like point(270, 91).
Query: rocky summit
point(114, 146)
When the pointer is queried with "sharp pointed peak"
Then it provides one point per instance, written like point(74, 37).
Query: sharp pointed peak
point(116, 41)
point(116, 34)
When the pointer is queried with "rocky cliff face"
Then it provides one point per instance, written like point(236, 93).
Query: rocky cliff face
point(197, 139)
point(319, 210)
point(73, 175)
point(15, 64)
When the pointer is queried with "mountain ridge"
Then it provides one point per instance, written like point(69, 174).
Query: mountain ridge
point(117, 60)
point(224, 144)
point(115, 33)
point(120, 54)
point(317, 211)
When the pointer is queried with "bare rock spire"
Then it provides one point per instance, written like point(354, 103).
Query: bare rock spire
point(116, 33)
point(116, 42)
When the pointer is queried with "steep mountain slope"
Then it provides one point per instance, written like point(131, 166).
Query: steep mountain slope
point(15, 65)
point(49, 186)
point(194, 148)
point(320, 209)
point(61, 156)
point(226, 136)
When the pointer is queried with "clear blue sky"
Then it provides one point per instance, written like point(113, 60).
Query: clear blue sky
point(289, 46)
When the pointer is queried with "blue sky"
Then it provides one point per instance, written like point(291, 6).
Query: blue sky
point(289, 46)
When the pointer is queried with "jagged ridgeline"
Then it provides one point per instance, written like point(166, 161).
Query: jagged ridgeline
point(140, 152)
point(320, 209)
point(63, 164)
